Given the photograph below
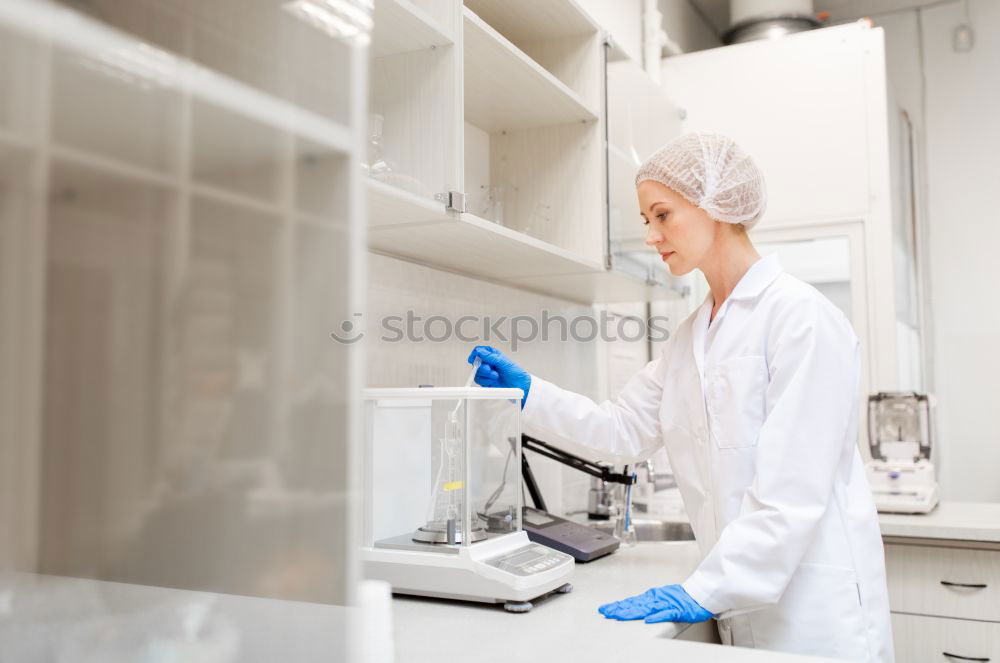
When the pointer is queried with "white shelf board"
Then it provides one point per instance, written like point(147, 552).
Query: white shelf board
point(600, 286)
point(506, 89)
point(401, 27)
point(389, 206)
point(235, 199)
point(114, 167)
point(466, 244)
point(402, 225)
point(527, 20)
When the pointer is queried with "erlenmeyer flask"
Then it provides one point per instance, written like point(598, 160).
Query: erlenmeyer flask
point(444, 513)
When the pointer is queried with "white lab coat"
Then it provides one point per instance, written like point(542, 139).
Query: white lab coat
point(759, 416)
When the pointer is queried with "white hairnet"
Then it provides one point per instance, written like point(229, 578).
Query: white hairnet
point(711, 172)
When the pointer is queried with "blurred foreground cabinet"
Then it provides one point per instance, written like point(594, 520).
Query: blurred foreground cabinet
point(181, 229)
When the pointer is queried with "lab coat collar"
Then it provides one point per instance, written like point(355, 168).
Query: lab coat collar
point(760, 275)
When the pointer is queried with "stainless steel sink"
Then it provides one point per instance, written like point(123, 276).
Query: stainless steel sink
point(657, 530)
point(653, 530)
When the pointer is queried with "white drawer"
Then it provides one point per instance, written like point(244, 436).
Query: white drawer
point(921, 639)
point(946, 582)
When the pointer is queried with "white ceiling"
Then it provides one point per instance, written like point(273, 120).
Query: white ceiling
point(717, 11)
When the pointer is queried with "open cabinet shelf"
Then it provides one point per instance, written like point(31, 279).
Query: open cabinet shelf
point(465, 244)
point(402, 27)
point(601, 286)
point(505, 89)
point(404, 225)
point(528, 20)
point(505, 107)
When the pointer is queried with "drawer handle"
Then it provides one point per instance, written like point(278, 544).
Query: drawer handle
point(963, 658)
point(963, 584)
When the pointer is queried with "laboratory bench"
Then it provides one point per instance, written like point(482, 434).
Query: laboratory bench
point(567, 627)
point(954, 521)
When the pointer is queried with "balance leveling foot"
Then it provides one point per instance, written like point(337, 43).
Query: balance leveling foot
point(517, 606)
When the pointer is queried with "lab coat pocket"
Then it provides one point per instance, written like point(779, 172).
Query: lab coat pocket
point(736, 392)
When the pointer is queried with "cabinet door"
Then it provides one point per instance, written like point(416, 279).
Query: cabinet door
point(949, 582)
point(938, 640)
point(641, 119)
point(801, 106)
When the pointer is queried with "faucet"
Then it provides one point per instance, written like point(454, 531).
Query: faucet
point(650, 471)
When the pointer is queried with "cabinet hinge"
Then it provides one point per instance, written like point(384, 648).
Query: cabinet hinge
point(454, 201)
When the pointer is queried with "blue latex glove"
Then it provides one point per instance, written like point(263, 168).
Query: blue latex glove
point(669, 603)
point(499, 371)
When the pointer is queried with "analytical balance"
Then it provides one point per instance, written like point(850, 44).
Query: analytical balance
point(443, 498)
point(901, 474)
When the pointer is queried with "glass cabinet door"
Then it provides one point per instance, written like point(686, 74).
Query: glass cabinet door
point(177, 243)
point(641, 119)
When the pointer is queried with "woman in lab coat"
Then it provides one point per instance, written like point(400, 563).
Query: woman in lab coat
point(755, 398)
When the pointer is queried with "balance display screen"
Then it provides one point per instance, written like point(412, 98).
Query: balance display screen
point(523, 558)
point(537, 518)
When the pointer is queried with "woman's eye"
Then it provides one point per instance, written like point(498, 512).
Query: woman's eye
point(661, 216)
point(645, 221)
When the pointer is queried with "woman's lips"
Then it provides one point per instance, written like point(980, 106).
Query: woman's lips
point(666, 255)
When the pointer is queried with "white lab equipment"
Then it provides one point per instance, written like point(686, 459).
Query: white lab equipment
point(443, 498)
point(901, 474)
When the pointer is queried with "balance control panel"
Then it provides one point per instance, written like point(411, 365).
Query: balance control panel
point(529, 560)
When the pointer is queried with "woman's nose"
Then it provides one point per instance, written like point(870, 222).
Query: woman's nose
point(653, 237)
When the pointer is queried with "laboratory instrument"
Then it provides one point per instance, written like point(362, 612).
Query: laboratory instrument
point(582, 542)
point(901, 474)
point(443, 498)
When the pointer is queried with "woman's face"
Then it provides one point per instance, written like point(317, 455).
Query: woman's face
point(682, 233)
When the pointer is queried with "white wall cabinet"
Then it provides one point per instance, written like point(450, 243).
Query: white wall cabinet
point(812, 110)
point(503, 103)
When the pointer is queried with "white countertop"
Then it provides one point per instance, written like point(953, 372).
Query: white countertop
point(957, 521)
point(567, 627)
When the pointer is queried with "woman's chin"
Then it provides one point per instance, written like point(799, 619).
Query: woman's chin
point(677, 267)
